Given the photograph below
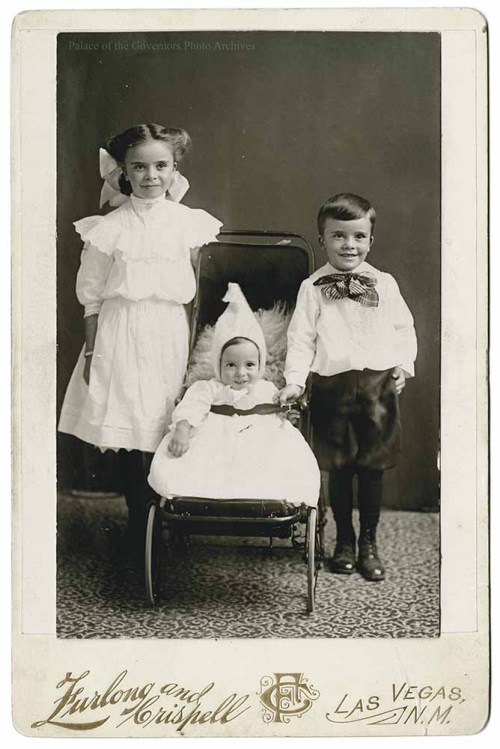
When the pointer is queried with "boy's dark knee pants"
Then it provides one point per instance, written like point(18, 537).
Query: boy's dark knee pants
point(355, 419)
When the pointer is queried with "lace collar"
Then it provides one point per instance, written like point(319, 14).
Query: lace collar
point(146, 205)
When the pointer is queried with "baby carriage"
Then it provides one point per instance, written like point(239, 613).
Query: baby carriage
point(269, 275)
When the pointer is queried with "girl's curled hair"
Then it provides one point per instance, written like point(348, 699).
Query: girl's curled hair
point(177, 138)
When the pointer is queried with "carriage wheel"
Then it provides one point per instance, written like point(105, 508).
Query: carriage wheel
point(311, 558)
point(320, 528)
point(153, 554)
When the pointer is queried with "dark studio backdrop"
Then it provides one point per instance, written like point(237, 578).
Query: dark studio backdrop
point(280, 121)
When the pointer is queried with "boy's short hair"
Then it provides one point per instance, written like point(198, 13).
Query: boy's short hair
point(346, 207)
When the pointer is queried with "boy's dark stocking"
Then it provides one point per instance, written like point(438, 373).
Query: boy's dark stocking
point(340, 491)
point(369, 502)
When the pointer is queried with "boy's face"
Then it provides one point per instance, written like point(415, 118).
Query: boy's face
point(347, 243)
point(239, 366)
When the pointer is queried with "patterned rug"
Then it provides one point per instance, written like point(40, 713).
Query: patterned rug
point(231, 588)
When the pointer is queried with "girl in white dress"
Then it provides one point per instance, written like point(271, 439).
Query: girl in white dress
point(225, 443)
point(135, 277)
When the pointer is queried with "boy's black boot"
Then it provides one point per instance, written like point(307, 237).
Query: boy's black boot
point(344, 556)
point(369, 563)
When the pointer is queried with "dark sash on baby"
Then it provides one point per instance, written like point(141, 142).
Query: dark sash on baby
point(261, 409)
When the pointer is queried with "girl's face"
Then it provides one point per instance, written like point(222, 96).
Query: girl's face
point(149, 167)
point(347, 243)
point(239, 365)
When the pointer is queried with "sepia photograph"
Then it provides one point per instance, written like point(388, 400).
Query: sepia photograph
point(250, 394)
point(304, 168)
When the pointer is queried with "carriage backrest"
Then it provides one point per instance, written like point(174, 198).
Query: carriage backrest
point(266, 273)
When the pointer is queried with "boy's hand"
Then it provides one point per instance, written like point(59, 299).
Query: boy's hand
point(293, 416)
point(399, 379)
point(292, 413)
point(179, 444)
point(290, 393)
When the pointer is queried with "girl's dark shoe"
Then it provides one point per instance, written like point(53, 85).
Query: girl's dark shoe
point(344, 558)
point(369, 563)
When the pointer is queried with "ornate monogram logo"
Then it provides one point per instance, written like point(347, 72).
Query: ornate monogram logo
point(286, 696)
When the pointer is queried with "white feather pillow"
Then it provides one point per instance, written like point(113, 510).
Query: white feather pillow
point(274, 323)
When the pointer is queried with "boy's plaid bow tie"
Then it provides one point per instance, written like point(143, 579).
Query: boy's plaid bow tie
point(360, 287)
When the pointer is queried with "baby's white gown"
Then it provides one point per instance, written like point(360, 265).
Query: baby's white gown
point(236, 457)
point(136, 274)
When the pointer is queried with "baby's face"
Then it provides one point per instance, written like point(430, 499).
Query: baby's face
point(150, 168)
point(239, 365)
point(347, 243)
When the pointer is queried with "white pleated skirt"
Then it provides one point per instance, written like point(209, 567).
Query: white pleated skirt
point(137, 372)
point(240, 457)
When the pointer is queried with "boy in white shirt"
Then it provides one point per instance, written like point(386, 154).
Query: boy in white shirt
point(353, 331)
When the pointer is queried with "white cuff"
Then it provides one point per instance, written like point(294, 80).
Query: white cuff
point(92, 309)
point(293, 378)
point(408, 369)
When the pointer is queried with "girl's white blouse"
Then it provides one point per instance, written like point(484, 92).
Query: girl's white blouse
point(141, 250)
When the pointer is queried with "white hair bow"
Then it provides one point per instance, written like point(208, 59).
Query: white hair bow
point(111, 171)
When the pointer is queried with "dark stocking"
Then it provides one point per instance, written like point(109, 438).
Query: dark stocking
point(340, 490)
point(134, 470)
point(369, 496)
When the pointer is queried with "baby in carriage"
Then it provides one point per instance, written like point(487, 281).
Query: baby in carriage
point(227, 440)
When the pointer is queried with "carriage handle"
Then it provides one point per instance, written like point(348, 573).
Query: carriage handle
point(270, 233)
